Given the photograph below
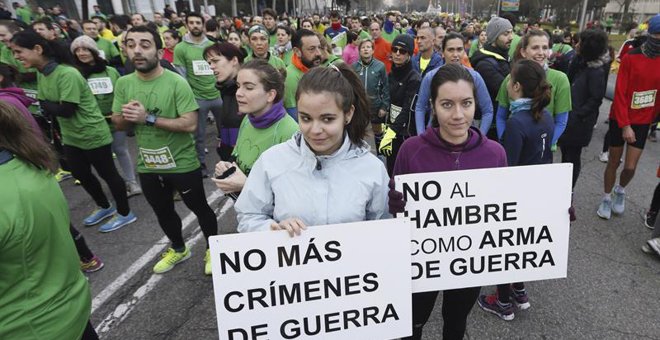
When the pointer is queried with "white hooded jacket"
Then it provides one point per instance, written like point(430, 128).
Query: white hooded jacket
point(289, 180)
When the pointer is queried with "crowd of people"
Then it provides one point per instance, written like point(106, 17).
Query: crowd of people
point(295, 104)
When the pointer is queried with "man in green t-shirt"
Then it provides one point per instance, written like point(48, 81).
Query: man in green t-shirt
point(356, 26)
point(107, 50)
point(23, 13)
point(307, 54)
point(161, 106)
point(189, 61)
point(270, 22)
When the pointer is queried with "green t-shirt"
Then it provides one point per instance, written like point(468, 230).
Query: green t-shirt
point(252, 142)
point(514, 43)
point(86, 129)
point(30, 88)
point(272, 39)
point(24, 14)
point(160, 151)
point(364, 35)
point(560, 97)
point(390, 36)
point(561, 48)
point(107, 49)
point(198, 73)
point(102, 85)
point(287, 57)
point(43, 293)
point(293, 76)
point(273, 60)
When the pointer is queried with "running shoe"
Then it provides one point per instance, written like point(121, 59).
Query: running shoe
point(605, 209)
point(76, 182)
point(652, 137)
point(133, 189)
point(117, 222)
point(618, 202)
point(654, 244)
point(99, 215)
point(646, 249)
point(649, 219)
point(604, 156)
point(207, 262)
point(520, 299)
point(490, 304)
point(93, 265)
point(170, 259)
point(62, 175)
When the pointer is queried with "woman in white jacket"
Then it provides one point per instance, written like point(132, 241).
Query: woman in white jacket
point(324, 174)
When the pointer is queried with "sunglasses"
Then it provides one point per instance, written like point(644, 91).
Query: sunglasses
point(399, 50)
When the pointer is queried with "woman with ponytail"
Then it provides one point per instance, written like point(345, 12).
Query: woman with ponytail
point(527, 142)
point(307, 180)
point(64, 94)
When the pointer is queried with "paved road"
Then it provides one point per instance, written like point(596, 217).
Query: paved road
point(612, 290)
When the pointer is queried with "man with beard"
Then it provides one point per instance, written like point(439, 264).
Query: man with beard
point(107, 50)
point(138, 19)
point(318, 26)
point(189, 61)
point(160, 105)
point(306, 55)
point(258, 36)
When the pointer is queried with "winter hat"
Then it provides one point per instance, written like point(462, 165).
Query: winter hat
point(86, 42)
point(654, 24)
point(496, 26)
point(405, 42)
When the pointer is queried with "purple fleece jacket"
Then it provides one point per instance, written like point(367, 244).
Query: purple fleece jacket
point(429, 153)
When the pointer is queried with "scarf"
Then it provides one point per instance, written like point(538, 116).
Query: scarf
point(269, 117)
point(86, 69)
point(602, 60)
point(399, 72)
point(336, 25)
point(388, 26)
point(518, 105)
point(295, 60)
point(651, 48)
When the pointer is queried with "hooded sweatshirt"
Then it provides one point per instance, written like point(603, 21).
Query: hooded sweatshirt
point(289, 180)
point(430, 153)
point(16, 96)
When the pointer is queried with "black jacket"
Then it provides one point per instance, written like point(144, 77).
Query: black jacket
point(588, 84)
point(404, 82)
point(229, 110)
point(493, 65)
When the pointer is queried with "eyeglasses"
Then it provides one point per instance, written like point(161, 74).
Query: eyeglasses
point(399, 50)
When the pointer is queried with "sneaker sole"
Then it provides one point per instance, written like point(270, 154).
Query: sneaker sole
point(133, 193)
point(95, 269)
point(501, 316)
point(653, 247)
point(174, 265)
point(523, 306)
point(646, 249)
point(119, 225)
point(89, 224)
point(603, 216)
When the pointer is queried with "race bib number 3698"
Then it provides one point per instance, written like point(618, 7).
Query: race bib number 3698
point(643, 99)
point(158, 158)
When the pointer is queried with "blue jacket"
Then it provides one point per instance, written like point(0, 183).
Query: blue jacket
point(526, 141)
point(436, 61)
point(424, 102)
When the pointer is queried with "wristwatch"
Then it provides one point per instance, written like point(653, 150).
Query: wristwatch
point(150, 120)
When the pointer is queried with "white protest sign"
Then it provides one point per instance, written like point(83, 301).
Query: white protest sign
point(343, 281)
point(488, 226)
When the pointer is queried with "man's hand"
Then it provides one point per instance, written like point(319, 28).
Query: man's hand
point(134, 112)
point(629, 135)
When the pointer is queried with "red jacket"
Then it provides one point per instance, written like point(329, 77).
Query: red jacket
point(636, 100)
point(382, 51)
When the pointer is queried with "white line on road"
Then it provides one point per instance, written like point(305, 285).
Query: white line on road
point(149, 256)
point(122, 310)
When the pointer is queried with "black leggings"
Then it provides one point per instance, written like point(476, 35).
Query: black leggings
point(89, 333)
point(504, 291)
point(572, 154)
point(81, 246)
point(101, 159)
point(158, 189)
point(456, 306)
point(396, 145)
point(655, 201)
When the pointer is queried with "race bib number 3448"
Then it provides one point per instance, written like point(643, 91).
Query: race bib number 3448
point(158, 159)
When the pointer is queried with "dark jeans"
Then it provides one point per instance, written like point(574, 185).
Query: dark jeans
point(456, 306)
point(572, 154)
point(158, 189)
point(81, 162)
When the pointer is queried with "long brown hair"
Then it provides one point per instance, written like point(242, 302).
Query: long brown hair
point(532, 79)
point(18, 137)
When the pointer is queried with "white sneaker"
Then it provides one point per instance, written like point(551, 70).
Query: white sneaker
point(604, 156)
point(133, 189)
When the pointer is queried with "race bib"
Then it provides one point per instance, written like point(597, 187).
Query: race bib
point(102, 54)
point(100, 85)
point(201, 68)
point(395, 111)
point(643, 99)
point(30, 93)
point(158, 159)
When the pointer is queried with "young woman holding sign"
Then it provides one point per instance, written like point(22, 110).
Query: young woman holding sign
point(449, 144)
point(325, 174)
point(64, 93)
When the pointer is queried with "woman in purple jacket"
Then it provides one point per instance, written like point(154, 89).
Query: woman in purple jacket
point(450, 144)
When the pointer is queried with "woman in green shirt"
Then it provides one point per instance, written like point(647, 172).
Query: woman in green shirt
point(101, 79)
point(64, 93)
